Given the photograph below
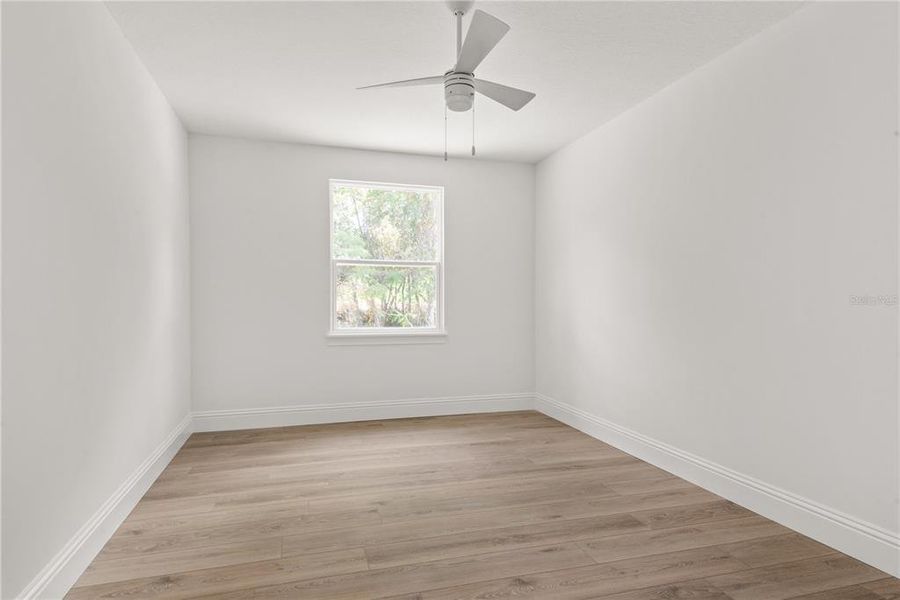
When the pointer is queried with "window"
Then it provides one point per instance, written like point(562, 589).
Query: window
point(386, 258)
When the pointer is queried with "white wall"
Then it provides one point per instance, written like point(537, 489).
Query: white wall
point(95, 274)
point(260, 259)
point(695, 259)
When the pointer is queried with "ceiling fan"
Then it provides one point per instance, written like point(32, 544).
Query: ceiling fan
point(460, 83)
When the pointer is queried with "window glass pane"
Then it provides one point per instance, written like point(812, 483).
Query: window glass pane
point(384, 224)
point(384, 296)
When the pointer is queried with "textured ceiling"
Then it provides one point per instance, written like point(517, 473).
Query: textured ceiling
point(287, 70)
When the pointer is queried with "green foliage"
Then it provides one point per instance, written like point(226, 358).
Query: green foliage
point(375, 296)
point(385, 225)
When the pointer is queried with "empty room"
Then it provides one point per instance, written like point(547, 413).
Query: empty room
point(426, 300)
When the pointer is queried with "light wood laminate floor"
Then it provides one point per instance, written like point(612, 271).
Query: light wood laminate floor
point(494, 506)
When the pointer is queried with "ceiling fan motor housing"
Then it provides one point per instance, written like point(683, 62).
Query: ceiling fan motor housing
point(459, 91)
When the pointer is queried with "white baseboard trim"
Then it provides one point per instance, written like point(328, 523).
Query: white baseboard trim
point(867, 542)
point(313, 414)
point(63, 570)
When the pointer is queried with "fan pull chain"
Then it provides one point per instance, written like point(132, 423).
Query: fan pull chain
point(445, 133)
point(473, 124)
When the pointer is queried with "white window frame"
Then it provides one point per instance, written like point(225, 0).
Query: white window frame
point(387, 335)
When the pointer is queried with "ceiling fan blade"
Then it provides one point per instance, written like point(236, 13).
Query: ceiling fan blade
point(509, 97)
point(407, 82)
point(484, 33)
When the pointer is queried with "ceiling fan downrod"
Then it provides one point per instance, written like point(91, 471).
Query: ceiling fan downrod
point(459, 15)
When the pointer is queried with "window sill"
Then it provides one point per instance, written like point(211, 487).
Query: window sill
point(386, 338)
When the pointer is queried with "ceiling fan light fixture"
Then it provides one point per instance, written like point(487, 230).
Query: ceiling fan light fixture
point(459, 91)
point(459, 102)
